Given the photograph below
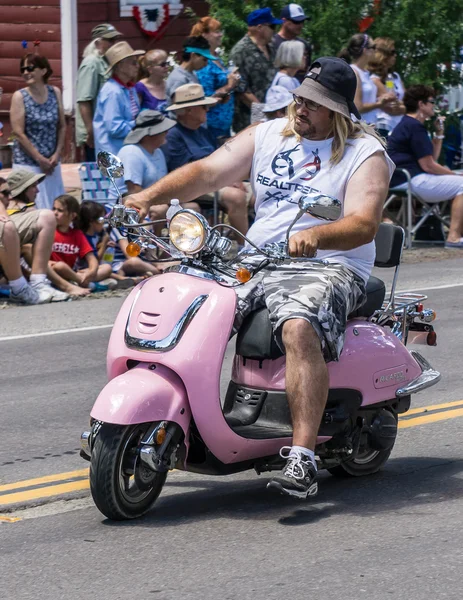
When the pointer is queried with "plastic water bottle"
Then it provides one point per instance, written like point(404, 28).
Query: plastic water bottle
point(173, 209)
point(390, 83)
point(231, 67)
point(108, 255)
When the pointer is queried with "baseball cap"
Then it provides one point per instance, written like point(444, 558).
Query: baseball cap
point(262, 16)
point(277, 97)
point(293, 12)
point(331, 82)
point(105, 31)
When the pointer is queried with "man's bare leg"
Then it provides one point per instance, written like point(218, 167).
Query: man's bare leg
point(307, 381)
point(234, 201)
point(307, 385)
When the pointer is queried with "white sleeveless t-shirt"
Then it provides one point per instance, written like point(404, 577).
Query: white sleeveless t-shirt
point(369, 94)
point(284, 169)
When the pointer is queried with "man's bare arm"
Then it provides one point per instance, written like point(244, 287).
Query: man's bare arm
point(363, 205)
point(230, 163)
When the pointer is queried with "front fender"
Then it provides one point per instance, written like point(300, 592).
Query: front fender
point(144, 395)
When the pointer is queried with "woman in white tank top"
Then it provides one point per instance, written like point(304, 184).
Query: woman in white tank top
point(358, 53)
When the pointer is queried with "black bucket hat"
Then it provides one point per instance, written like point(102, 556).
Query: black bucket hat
point(331, 82)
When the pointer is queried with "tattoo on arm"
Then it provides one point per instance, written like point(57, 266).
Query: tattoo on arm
point(228, 143)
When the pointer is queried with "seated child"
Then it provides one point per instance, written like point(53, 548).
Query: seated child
point(92, 224)
point(71, 244)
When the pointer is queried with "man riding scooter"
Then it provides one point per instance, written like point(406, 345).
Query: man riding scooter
point(319, 147)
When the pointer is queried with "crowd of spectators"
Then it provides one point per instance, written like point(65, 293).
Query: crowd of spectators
point(158, 117)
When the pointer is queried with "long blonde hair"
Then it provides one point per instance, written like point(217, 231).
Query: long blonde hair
point(343, 130)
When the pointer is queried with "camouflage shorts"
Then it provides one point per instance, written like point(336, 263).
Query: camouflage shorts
point(322, 294)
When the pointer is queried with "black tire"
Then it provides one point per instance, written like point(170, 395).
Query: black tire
point(365, 463)
point(115, 469)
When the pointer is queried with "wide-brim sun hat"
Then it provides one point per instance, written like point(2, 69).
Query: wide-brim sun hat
point(21, 179)
point(331, 82)
point(149, 122)
point(191, 94)
point(118, 52)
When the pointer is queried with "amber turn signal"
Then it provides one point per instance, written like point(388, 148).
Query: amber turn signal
point(243, 275)
point(160, 436)
point(133, 249)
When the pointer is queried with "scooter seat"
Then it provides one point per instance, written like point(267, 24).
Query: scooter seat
point(255, 338)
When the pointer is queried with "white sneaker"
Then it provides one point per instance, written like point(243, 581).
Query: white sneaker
point(111, 283)
point(30, 295)
point(56, 295)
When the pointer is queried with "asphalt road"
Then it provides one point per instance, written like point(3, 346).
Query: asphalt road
point(397, 534)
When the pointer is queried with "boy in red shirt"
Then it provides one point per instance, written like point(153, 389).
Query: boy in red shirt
point(71, 244)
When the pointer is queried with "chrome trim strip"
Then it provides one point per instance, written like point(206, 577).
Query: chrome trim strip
point(171, 340)
point(187, 270)
point(428, 377)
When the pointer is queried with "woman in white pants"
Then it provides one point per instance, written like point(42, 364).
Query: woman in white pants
point(411, 148)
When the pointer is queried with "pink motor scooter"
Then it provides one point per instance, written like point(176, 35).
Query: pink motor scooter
point(162, 408)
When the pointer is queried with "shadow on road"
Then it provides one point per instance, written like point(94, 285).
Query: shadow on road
point(405, 484)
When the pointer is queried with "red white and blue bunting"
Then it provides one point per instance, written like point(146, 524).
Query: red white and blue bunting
point(154, 17)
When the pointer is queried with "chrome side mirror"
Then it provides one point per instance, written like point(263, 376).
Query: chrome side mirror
point(110, 166)
point(321, 207)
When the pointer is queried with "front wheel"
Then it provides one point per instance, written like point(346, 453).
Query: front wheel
point(122, 487)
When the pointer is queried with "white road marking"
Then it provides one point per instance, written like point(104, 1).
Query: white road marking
point(95, 327)
point(437, 287)
point(54, 332)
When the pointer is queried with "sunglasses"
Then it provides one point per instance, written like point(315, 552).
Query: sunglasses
point(28, 69)
point(163, 64)
point(5, 192)
point(430, 101)
point(308, 104)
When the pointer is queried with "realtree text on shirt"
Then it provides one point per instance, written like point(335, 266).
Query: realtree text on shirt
point(284, 169)
point(70, 246)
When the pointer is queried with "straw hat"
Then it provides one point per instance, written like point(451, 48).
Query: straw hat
point(20, 179)
point(118, 52)
point(190, 94)
point(149, 122)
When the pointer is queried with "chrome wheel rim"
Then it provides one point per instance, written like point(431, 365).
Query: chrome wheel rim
point(129, 461)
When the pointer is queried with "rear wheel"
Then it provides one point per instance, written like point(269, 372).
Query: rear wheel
point(376, 444)
point(122, 486)
point(365, 463)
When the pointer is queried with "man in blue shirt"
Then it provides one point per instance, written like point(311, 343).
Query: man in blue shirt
point(190, 140)
point(118, 104)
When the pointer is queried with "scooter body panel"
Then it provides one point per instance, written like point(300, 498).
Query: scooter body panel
point(373, 361)
point(144, 395)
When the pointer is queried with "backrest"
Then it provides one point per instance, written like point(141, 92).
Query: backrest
point(389, 243)
point(94, 185)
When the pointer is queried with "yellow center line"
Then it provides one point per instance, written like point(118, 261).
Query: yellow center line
point(46, 479)
point(431, 418)
point(422, 409)
point(6, 519)
point(34, 494)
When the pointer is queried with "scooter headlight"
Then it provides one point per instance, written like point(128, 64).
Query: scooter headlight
point(188, 231)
